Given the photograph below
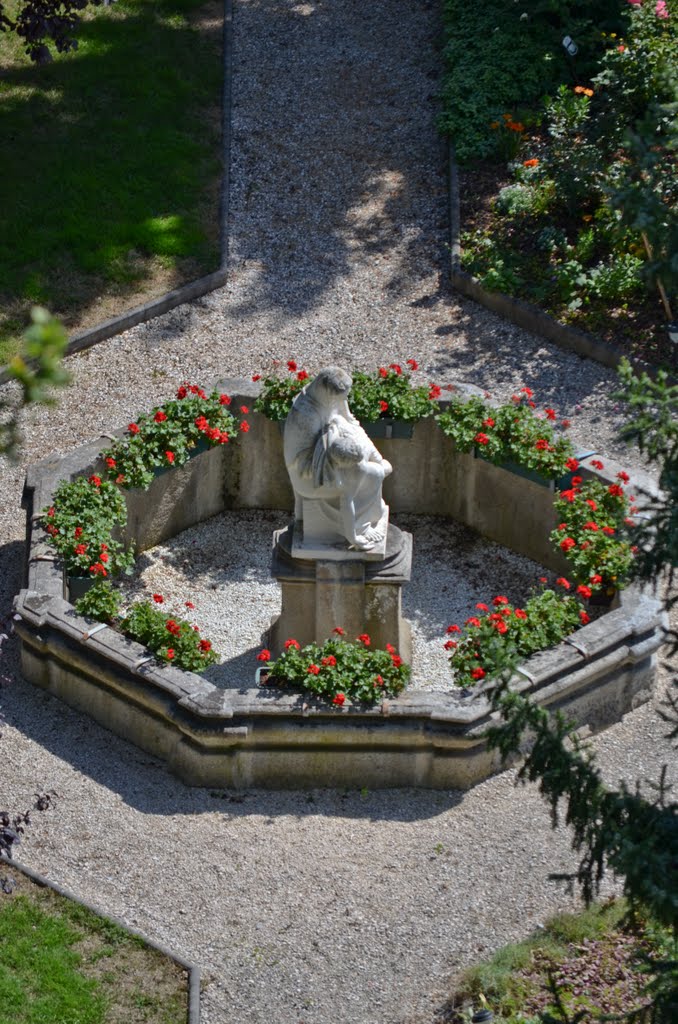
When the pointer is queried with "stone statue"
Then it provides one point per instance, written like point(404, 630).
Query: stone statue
point(335, 470)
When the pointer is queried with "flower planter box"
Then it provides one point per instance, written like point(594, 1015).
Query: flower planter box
point(387, 429)
point(78, 586)
point(518, 470)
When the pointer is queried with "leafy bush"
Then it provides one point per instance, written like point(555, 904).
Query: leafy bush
point(506, 632)
point(79, 525)
point(339, 670)
point(172, 640)
point(168, 435)
point(511, 432)
point(101, 602)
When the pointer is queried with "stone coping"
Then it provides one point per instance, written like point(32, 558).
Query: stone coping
point(192, 970)
point(268, 738)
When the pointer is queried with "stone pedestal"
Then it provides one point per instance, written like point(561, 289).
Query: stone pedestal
point(360, 595)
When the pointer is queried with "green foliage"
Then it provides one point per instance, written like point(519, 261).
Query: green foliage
point(653, 426)
point(101, 602)
point(37, 371)
point(79, 525)
point(591, 532)
point(508, 433)
point(385, 394)
point(339, 670)
point(509, 635)
point(169, 434)
point(171, 640)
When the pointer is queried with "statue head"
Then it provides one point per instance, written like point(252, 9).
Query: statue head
point(330, 385)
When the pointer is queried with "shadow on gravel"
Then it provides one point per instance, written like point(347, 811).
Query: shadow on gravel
point(336, 159)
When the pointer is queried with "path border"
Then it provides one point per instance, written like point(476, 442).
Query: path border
point(523, 314)
point(192, 970)
point(199, 286)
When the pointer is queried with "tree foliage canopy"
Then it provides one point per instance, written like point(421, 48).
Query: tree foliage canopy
point(40, 21)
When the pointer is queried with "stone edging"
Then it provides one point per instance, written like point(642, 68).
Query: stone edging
point(202, 285)
point(191, 969)
point(523, 314)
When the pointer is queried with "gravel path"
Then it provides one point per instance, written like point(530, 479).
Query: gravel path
point(337, 255)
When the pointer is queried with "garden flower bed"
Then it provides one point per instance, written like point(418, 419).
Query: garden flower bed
point(260, 737)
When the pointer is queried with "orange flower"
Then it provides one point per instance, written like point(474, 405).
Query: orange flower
point(495, 124)
point(584, 92)
point(516, 126)
point(507, 117)
point(587, 217)
point(530, 163)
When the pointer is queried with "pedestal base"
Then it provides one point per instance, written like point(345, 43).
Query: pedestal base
point(357, 594)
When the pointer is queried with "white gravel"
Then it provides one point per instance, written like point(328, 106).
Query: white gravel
point(327, 907)
point(236, 598)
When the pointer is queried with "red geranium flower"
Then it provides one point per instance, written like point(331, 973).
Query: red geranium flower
point(542, 445)
point(313, 670)
point(390, 648)
point(302, 375)
point(583, 590)
point(624, 477)
point(339, 699)
point(98, 569)
point(489, 422)
point(567, 544)
point(413, 364)
point(103, 557)
point(291, 366)
point(110, 462)
point(244, 426)
point(584, 618)
point(189, 604)
point(78, 532)
point(256, 377)
point(577, 480)
point(170, 653)
point(383, 405)
point(133, 428)
point(593, 527)
point(478, 673)
point(450, 645)
point(550, 414)
point(500, 599)
point(338, 630)
point(562, 582)
point(80, 549)
point(170, 457)
point(330, 661)
point(396, 660)
point(592, 504)
point(158, 598)
point(173, 627)
point(365, 639)
point(616, 491)
point(596, 579)
point(182, 391)
point(378, 680)
point(291, 643)
point(434, 392)
point(473, 621)
point(481, 438)
point(482, 607)
point(264, 655)
point(597, 464)
point(608, 530)
point(205, 645)
point(565, 424)
point(95, 481)
point(394, 366)
point(383, 372)
point(453, 629)
point(160, 416)
point(520, 614)
point(224, 399)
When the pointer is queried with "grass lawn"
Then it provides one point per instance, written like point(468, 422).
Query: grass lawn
point(61, 964)
point(111, 163)
point(592, 957)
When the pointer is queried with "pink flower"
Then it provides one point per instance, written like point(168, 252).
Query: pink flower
point(661, 9)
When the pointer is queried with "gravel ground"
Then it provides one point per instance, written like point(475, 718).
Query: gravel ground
point(338, 230)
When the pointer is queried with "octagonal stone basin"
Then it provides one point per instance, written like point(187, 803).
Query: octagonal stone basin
point(256, 737)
